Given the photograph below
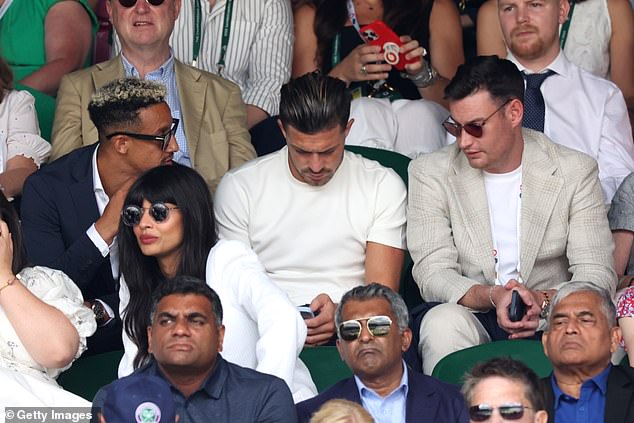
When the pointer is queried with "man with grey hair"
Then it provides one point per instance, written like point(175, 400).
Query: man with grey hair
point(71, 208)
point(321, 220)
point(581, 336)
point(212, 136)
point(372, 335)
point(505, 387)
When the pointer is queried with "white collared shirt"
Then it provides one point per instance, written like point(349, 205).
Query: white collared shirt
point(588, 114)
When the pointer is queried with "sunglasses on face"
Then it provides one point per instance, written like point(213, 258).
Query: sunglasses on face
point(377, 326)
point(483, 412)
point(131, 215)
point(163, 139)
point(131, 3)
point(474, 129)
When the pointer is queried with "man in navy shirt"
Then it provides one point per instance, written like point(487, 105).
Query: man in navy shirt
point(582, 334)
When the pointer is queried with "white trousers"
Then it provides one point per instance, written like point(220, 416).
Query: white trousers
point(409, 127)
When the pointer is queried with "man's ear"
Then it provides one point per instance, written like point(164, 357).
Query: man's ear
point(545, 343)
point(615, 338)
point(516, 112)
point(564, 8)
point(221, 337)
point(120, 143)
point(348, 127)
point(406, 339)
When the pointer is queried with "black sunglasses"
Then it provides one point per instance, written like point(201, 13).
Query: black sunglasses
point(163, 139)
point(130, 3)
point(483, 412)
point(131, 215)
point(377, 326)
point(473, 129)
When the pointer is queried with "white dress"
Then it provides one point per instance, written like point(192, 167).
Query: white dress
point(19, 130)
point(23, 382)
point(263, 329)
point(588, 42)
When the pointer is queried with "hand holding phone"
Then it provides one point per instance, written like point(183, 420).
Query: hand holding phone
point(517, 309)
point(379, 34)
point(305, 311)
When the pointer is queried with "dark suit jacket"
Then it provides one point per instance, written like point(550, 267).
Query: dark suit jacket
point(58, 206)
point(619, 405)
point(428, 400)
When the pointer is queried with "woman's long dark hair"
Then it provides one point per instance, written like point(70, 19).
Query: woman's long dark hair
point(185, 188)
point(403, 16)
point(9, 215)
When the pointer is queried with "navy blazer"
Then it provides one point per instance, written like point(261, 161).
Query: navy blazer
point(619, 404)
point(58, 206)
point(428, 400)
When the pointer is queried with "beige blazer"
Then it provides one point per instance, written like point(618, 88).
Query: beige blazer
point(564, 233)
point(212, 112)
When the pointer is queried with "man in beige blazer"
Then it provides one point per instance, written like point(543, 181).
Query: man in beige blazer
point(502, 209)
point(211, 110)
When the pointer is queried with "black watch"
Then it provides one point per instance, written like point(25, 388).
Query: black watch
point(101, 315)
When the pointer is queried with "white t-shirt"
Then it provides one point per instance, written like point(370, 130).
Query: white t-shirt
point(312, 239)
point(503, 191)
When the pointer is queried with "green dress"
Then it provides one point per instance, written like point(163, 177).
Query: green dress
point(22, 34)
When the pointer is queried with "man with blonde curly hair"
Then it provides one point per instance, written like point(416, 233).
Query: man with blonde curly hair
point(71, 208)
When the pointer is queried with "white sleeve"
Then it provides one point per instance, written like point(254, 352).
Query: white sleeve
point(388, 227)
point(231, 207)
point(126, 365)
point(281, 329)
point(23, 136)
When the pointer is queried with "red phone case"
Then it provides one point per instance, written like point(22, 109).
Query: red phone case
point(379, 34)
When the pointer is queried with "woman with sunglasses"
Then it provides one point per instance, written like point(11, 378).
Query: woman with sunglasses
point(36, 304)
point(167, 229)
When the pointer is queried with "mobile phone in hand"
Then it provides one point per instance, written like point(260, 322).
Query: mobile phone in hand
point(379, 34)
point(517, 309)
point(305, 311)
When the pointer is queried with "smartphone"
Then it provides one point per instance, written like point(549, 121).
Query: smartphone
point(379, 34)
point(517, 309)
point(305, 311)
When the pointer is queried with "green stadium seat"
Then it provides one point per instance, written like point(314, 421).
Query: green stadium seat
point(90, 373)
point(325, 365)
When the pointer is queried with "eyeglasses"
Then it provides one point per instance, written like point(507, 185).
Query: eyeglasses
point(473, 129)
point(377, 326)
point(130, 3)
point(483, 412)
point(131, 215)
point(163, 139)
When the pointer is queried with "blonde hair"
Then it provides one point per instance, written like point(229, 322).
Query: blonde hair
point(341, 411)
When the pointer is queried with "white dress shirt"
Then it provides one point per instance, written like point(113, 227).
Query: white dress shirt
point(588, 114)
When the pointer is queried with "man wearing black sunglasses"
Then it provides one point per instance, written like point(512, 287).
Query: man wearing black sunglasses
point(503, 209)
point(71, 208)
point(212, 135)
point(372, 335)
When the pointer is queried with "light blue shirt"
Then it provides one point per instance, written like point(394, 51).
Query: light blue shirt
point(390, 409)
point(165, 75)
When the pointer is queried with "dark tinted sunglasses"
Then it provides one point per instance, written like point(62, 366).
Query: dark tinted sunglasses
point(131, 215)
point(130, 3)
point(473, 129)
point(483, 412)
point(377, 326)
point(163, 139)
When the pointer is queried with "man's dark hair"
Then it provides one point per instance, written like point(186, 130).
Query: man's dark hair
point(118, 102)
point(187, 285)
point(500, 77)
point(506, 368)
point(314, 102)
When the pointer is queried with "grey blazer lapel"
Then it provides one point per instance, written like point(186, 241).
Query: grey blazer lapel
point(541, 187)
point(192, 91)
point(467, 185)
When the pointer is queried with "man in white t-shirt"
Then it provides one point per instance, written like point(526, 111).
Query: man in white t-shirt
point(502, 209)
point(322, 220)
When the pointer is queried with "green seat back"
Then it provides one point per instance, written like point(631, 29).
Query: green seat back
point(325, 365)
point(45, 108)
point(90, 373)
point(452, 368)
